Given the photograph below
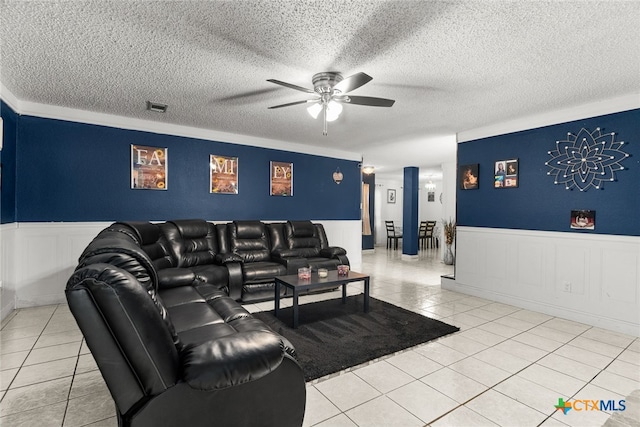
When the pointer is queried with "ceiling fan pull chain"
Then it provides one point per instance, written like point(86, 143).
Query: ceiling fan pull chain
point(324, 111)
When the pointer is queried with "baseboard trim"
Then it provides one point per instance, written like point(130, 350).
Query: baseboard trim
point(7, 307)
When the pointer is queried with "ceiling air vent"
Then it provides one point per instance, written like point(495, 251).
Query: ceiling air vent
point(156, 107)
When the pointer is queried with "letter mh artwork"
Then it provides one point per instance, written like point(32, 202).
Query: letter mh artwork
point(587, 159)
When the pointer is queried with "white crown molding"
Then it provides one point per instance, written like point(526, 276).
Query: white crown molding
point(81, 116)
point(592, 109)
point(9, 98)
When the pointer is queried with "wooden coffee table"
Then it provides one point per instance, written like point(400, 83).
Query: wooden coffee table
point(300, 285)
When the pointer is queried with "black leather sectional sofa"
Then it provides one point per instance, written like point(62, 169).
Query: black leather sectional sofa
point(242, 257)
point(158, 307)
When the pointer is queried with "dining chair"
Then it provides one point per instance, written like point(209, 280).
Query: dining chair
point(425, 234)
point(431, 237)
point(392, 235)
point(422, 234)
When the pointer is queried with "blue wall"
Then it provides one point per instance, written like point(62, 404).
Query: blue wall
point(411, 186)
point(539, 204)
point(8, 161)
point(69, 171)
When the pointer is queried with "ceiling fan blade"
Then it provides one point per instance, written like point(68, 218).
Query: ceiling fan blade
point(291, 86)
point(292, 103)
point(353, 82)
point(369, 100)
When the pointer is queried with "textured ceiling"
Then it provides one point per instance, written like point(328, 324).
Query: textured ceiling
point(451, 66)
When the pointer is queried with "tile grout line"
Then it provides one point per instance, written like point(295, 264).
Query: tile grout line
point(28, 354)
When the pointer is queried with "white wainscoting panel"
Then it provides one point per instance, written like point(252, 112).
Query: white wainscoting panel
point(7, 260)
point(588, 278)
point(38, 258)
point(44, 256)
point(347, 235)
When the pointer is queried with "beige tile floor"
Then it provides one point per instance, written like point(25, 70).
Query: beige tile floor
point(507, 366)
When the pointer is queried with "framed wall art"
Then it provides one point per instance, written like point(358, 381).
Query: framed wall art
point(391, 195)
point(223, 174)
point(281, 179)
point(506, 174)
point(469, 176)
point(148, 167)
point(583, 219)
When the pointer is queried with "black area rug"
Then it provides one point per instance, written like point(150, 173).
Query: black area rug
point(332, 336)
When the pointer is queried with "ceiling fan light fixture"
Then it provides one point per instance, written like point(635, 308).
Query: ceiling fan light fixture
point(314, 109)
point(331, 88)
point(333, 110)
point(368, 170)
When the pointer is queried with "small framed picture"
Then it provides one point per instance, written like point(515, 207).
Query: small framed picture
point(506, 174)
point(391, 195)
point(281, 178)
point(431, 196)
point(469, 176)
point(583, 219)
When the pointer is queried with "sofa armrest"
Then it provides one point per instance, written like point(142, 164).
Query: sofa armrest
point(232, 360)
point(332, 252)
point(284, 253)
point(292, 263)
point(236, 280)
point(174, 277)
point(343, 259)
point(225, 258)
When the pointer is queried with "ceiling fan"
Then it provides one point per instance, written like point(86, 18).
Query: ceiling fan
point(331, 89)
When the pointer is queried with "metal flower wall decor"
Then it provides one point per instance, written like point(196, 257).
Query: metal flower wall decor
point(587, 159)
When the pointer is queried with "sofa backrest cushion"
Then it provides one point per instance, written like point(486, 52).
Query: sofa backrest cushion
point(301, 236)
point(126, 254)
point(320, 233)
point(222, 231)
point(152, 242)
point(124, 230)
point(276, 236)
point(128, 338)
point(250, 241)
point(192, 241)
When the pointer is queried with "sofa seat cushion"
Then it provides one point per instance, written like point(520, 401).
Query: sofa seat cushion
point(228, 309)
point(205, 333)
point(190, 316)
point(173, 297)
point(255, 272)
point(210, 292)
point(211, 273)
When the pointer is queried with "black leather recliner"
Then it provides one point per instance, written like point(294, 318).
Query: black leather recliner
point(173, 356)
point(249, 241)
point(194, 246)
point(306, 239)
